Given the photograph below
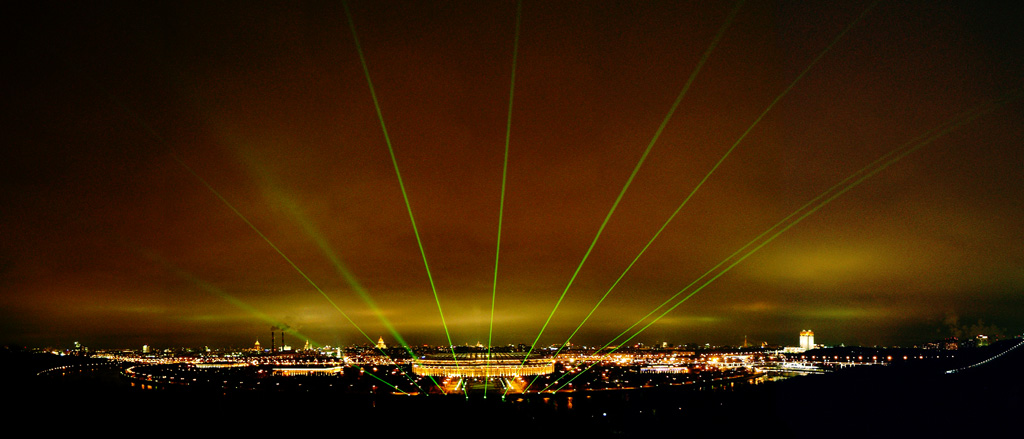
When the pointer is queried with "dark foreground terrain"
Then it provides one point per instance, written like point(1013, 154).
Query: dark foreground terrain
point(867, 401)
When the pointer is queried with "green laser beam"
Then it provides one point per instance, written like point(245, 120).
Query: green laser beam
point(352, 281)
point(214, 290)
point(759, 246)
point(362, 369)
point(174, 155)
point(822, 199)
point(279, 252)
point(920, 138)
point(907, 148)
point(504, 174)
point(401, 184)
point(715, 167)
point(693, 76)
point(166, 144)
point(282, 198)
point(265, 239)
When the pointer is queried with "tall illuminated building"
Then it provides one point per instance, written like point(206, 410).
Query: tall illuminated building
point(380, 343)
point(806, 339)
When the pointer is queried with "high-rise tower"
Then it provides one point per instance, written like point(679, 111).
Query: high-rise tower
point(806, 339)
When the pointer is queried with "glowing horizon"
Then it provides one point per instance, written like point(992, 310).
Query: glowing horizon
point(924, 249)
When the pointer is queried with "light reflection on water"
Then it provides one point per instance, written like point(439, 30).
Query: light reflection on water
point(729, 386)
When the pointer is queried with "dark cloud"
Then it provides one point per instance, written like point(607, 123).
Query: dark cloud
point(110, 239)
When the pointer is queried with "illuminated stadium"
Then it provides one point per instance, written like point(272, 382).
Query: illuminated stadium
point(482, 365)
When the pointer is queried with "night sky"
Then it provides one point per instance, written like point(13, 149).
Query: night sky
point(115, 114)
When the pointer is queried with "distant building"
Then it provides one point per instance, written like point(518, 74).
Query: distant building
point(307, 371)
point(806, 339)
point(380, 343)
point(951, 344)
point(256, 347)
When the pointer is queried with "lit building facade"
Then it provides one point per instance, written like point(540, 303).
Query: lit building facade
point(479, 365)
point(806, 339)
point(307, 371)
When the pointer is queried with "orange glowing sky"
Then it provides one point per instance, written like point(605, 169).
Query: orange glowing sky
point(110, 241)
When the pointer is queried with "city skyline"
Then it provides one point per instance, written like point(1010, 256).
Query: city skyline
point(163, 159)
